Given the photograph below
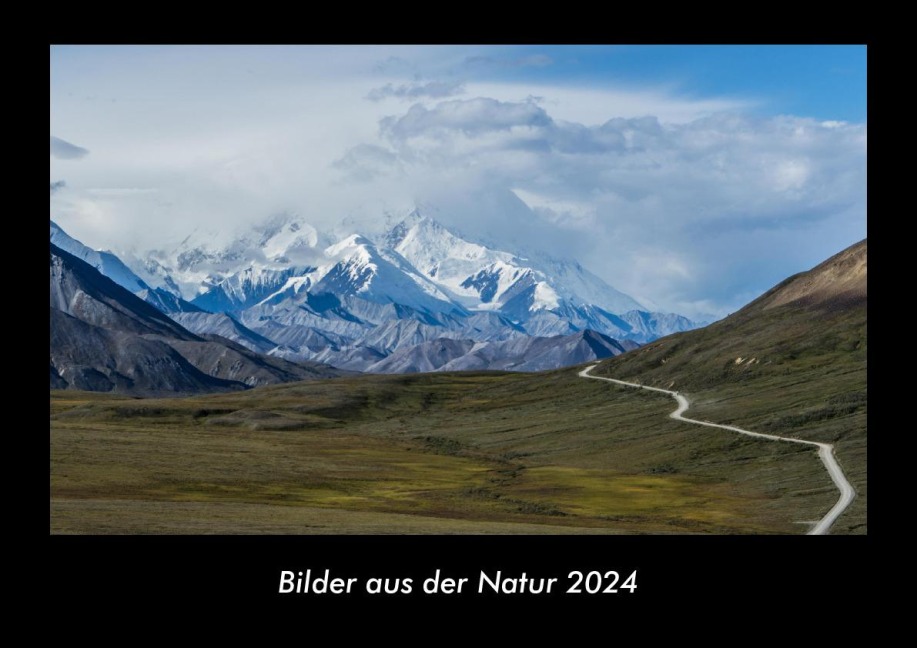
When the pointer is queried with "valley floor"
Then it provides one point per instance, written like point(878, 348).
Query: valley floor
point(467, 453)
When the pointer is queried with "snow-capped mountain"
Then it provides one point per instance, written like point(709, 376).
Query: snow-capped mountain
point(387, 304)
point(116, 270)
point(355, 268)
point(244, 288)
point(105, 262)
point(486, 279)
point(226, 270)
point(104, 338)
point(546, 296)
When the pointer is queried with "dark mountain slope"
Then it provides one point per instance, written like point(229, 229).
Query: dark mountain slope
point(91, 358)
point(80, 290)
point(104, 338)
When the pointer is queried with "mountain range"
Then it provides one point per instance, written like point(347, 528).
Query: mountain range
point(418, 298)
point(104, 338)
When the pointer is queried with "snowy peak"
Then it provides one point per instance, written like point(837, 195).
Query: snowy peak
point(204, 260)
point(287, 239)
point(394, 237)
point(243, 289)
point(353, 245)
point(427, 244)
point(359, 268)
point(580, 287)
point(105, 262)
point(482, 278)
point(283, 288)
point(473, 274)
point(113, 268)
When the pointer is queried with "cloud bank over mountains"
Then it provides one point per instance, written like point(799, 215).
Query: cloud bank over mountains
point(689, 201)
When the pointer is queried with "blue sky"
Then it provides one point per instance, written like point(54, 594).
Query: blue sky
point(692, 177)
point(821, 81)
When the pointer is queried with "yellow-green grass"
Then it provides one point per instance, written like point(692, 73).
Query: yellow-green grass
point(440, 453)
point(114, 516)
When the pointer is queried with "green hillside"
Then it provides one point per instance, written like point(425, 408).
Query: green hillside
point(793, 362)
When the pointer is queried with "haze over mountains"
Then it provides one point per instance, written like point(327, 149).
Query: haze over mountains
point(418, 298)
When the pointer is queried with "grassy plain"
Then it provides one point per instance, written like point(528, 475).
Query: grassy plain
point(434, 453)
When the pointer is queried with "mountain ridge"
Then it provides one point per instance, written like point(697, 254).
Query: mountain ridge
point(287, 292)
point(105, 338)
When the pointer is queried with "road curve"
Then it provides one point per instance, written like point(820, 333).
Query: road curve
point(825, 450)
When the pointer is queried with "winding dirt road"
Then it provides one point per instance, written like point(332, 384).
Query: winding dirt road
point(825, 450)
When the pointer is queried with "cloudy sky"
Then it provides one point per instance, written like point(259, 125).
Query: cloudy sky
point(691, 177)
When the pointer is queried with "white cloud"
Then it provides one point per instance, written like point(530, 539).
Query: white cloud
point(688, 202)
point(593, 106)
point(670, 210)
point(469, 117)
point(366, 161)
point(414, 91)
point(117, 192)
point(570, 214)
